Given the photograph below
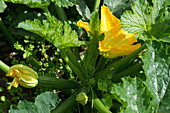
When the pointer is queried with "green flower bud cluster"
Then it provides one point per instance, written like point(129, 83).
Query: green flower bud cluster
point(82, 98)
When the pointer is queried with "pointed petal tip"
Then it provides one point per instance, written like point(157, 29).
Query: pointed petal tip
point(84, 25)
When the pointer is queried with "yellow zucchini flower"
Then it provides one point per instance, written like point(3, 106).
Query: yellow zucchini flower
point(23, 75)
point(116, 42)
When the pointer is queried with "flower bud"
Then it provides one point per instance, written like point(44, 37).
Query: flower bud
point(23, 75)
point(82, 98)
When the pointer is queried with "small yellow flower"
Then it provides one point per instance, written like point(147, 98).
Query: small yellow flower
point(117, 42)
point(23, 75)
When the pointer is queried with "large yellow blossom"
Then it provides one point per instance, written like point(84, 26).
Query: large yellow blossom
point(117, 42)
point(23, 75)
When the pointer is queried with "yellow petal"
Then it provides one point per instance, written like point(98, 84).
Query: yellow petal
point(14, 83)
point(108, 20)
point(117, 43)
point(83, 25)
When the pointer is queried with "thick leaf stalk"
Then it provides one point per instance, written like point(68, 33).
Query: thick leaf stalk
point(72, 61)
point(59, 84)
point(61, 14)
point(4, 29)
point(4, 67)
point(64, 107)
point(99, 105)
point(96, 5)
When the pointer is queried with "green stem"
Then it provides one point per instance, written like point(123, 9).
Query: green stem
point(72, 61)
point(99, 105)
point(61, 13)
point(129, 71)
point(90, 59)
point(117, 64)
point(64, 107)
point(4, 67)
point(8, 35)
point(101, 64)
point(57, 83)
point(96, 5)
point(45, 9)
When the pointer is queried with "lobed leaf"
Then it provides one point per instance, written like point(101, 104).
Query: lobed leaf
point(44, 103)
point(64, 3)
point(145, 20)
point(156, 69)
point(164, 105)
point(54, 31)
point(31, 3)
point(133, 96)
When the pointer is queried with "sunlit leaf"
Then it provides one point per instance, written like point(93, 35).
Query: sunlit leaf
point(133, 96)
point(156, 68)
point(44, 103)
point(2, 6)
point(165, 105)
point(31, 3)
point(147, 20)
point(24, 107)
point(53, 30)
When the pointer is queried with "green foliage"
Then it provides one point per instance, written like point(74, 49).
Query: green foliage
point(94, 25)
point(53, 30)
point(44, 103)
point(164, 105)
point(45, 40)
point(107, 100)
point(31, 3)
point(83, 10)
point(64, 3)
point(133, 96)
point(156, 69)
point(148, 21)
point(2, 6)
point(117, 7)
point(102, 84)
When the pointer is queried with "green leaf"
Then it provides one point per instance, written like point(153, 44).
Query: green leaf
point(107, 100)
point(161, 29)
point(27, 107)
point(54, 31)
point(82, 9)
point(31, 3)
point(156, 69)
point(94, 25)
point(2, 6)
point(64, 3)
point(45, 102)
point(24, 107)
point(117, 7)
point(165, 105)
point(14, 109)
point(102, 84)
point(148, 21)
point(133, 96)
